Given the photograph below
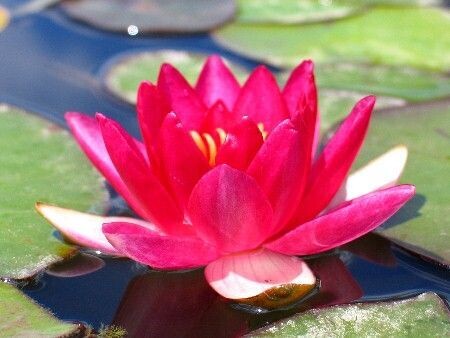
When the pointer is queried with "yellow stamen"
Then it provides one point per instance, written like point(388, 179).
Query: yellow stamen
point(262, 130)
point(199, 142)
point(211, 147)
point(222, 135)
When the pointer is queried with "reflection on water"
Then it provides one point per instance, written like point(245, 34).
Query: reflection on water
point(150, 303)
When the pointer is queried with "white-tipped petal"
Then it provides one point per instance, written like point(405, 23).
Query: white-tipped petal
point(84, 229)
point(380, 173)
point(248, 274)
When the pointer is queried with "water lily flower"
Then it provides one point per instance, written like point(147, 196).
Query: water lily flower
point(227, 177)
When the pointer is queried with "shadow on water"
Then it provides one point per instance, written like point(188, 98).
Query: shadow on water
point(409, 211)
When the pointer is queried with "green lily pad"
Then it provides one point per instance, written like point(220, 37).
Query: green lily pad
point(123, 77)
point(406, 83)
point(293, 11)
point(152, 16)
point(423, 316)
point(398, 36)
point(422, 225)
point(39, 162)
point(21, 317)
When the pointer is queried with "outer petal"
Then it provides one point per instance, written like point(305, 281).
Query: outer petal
point(216, 82)
point(343, 224)
point(228, 209)
point(260, 98)
point(249, 274)
point(181, 160)
point(182, 97)
point(151, 108)
point(84, 229)
point(383, 172)
point(241, 145)
point(159, 205)
point(88, 135)
point(300, 84)
point(332, 166)
point(281, 167)
point(156, 250)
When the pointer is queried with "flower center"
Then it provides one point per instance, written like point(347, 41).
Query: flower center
point(209, 143)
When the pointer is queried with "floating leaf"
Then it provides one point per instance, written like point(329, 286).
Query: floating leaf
point(21, 317)
point(150, 16)
point(423, 316)
point(392, 36)
point(123, 77)
point(293, 11)
point(4, 18)
point(422, 225)
point(39, 161)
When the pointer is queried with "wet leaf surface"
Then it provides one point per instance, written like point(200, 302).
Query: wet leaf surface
point(39, 161)
point(21, 317)
point(124, 76)
point(422, 225)
point(150, 16)
point(423, 316)
point(383, 35)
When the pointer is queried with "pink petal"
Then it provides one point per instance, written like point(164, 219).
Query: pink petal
point(330, 169)
point(216, 82)
point(151, 108)
point(260, 98)
point(158, 205)
point(84, 229)
point(241, 145)
point(182, 97)
point(218, 116)
point(156, 250)
point(248, 274)
point(182, 161)
point(382, 172)
point(280, 168)
point(88, 135)
point(347, 222)
point(228, 209)
point(300, 84)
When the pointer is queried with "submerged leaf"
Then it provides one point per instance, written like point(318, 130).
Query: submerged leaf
point(21, 317)
point(39, 161)
point(423, 316)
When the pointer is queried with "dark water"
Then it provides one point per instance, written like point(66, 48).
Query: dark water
point(51, 65)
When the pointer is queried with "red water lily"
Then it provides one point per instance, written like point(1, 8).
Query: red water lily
point(226, 178)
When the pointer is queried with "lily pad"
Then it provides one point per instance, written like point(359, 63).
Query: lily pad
point(21, 317)
point(293, 11)
point(124, 76)
point(398, 36)
point(422, 225)
point(39, 161)
point(423, 316)
point(4, 18)
point(152, 16)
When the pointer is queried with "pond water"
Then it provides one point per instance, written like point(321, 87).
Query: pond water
point(51, 65)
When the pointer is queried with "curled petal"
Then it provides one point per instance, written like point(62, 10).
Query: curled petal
point(88, 135)
point(181, 160)
point(300, 84)
point(261, 100)
point(182, 97)
point(158, 205)
point(382, 172)
point(343, 224)
point(156, 250)
point(331, 168)
point(228, 209)
point(249, 274)
point(84, 229)
point(216, 82)
point(241, 145)
point(280, 167)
